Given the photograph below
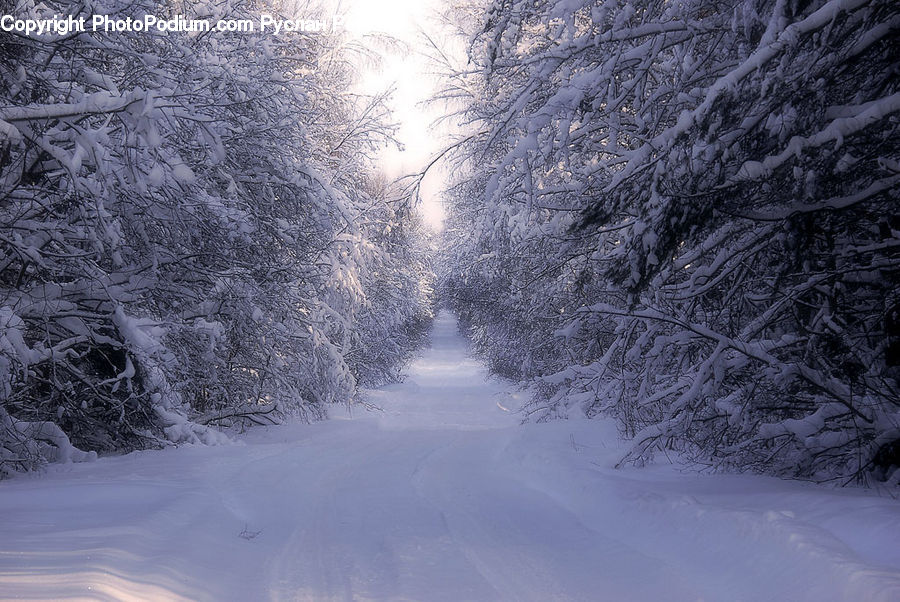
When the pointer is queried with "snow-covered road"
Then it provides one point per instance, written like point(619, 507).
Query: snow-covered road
point(442, 496)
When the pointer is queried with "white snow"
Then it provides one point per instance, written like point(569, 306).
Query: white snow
point(442, 496)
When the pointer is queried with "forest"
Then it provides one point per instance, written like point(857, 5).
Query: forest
point(686, 217)
point(193, 235)
point(681, 215)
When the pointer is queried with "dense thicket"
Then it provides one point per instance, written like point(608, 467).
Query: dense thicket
point(685, 214)
point(188, 236)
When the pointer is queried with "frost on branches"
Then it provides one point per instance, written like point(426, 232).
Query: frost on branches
point(687, 217)
point(188, 236)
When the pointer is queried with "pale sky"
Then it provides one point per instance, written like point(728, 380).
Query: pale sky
point(403, 19)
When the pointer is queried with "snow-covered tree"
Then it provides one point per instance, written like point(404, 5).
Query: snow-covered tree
point(695, 201)
point(182, 241)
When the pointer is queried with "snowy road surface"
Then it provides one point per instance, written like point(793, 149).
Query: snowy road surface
point(440, 497)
